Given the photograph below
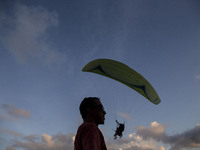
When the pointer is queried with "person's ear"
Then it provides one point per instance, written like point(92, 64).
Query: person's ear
point(88, 110)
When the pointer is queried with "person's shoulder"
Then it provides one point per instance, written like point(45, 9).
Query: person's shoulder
point(87, 126)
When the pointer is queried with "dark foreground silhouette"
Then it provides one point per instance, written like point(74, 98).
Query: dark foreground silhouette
point(88, 136)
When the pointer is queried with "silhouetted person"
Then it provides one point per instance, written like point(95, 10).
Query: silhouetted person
point(88, 136)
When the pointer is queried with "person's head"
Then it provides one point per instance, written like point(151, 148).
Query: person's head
point(92, 110)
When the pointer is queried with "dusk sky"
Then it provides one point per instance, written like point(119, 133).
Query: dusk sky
point(44, 44)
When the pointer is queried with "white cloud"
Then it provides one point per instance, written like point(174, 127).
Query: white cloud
point(26, 34)
point(48, 140)
point(198, 125)
point(133, 141)
point(124, 115)
point(155, 131)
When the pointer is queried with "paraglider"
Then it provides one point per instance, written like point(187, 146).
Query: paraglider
point(124, 74)
point(119, 129)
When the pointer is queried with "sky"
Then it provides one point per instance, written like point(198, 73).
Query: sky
point(45, 44)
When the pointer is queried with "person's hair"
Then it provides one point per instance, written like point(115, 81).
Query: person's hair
point(88, 102)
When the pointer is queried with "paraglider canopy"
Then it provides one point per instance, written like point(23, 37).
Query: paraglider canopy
point(124, 74)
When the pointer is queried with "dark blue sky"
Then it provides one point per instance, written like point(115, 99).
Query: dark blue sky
point(45, 44)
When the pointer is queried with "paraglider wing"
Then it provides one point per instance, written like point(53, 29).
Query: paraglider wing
point(124, 74)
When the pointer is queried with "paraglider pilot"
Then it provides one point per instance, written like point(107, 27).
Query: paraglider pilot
point(119, 129)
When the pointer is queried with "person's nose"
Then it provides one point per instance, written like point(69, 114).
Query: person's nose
point(104, 112)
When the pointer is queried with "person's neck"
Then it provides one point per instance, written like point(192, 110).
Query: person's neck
point(90, 120)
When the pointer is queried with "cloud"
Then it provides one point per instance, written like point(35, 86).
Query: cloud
point(65, 142)
point(45, 142)
point(155, 131)
point(152, 138)
point(12, 112)
point(197, 76)
point(14, 133)
point(145, 138)
point(48, 140)
point(26, 33)
point(10, 148)
point(134, 141)
point(186, 140)
point(124, 115)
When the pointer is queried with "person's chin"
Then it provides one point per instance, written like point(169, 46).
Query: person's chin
point(103, 121)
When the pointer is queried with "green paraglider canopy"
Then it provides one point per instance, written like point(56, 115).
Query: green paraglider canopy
point(124, 74)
